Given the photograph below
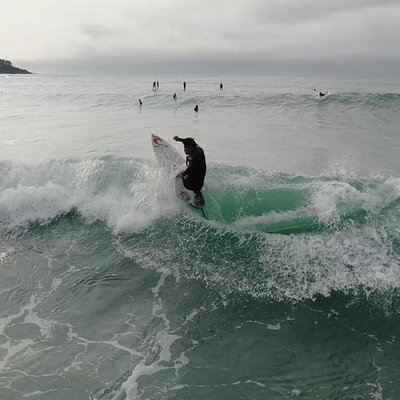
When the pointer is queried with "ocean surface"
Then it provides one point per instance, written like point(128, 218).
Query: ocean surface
point(112, 288)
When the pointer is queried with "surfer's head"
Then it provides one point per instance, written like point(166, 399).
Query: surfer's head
point(189, 145)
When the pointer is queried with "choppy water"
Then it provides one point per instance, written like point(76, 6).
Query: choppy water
point(112, 289)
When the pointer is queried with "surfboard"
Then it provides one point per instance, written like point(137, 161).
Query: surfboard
point(172, 162)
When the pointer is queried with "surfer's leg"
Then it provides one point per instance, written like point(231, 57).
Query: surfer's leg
point(187, 184)
point(199, 199)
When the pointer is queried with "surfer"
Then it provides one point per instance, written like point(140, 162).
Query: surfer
point(196, 108)
point(320, 94)
point(194, 174)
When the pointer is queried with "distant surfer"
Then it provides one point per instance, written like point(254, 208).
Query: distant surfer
point(196, 108)
point(320, 94)
point(174, 96)
point(140, 102)
point(221, 86)
point(193, 176)
point(184, 85)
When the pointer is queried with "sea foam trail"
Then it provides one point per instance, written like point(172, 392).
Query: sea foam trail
point(293, 267)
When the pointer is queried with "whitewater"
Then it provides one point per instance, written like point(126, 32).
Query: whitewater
point(111, 288)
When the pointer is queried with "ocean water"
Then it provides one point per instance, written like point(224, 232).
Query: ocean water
point(111, 288)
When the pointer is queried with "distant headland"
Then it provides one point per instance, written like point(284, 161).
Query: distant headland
point(6, 67)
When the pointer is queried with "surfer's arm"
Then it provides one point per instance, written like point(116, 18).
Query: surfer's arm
point(189, 170)
point(183, 174)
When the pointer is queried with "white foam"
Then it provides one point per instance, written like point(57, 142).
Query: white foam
point(162, 345)
point(327, 196)
point(5, 255)
point(262, 222)
point(42, 193)
point(55, 284)
point(16, 347)
point(32, 203)
point(276, 327)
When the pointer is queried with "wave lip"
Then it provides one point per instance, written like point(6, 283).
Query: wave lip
point(122, 193)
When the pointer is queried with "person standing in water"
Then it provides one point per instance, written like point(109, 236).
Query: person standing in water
point(196, 108)
point(184, 85)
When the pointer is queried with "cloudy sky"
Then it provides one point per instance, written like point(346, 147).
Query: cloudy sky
point(265, 36)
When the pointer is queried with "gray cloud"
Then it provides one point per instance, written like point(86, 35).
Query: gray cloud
point(293, 11)
point(241, 33)
point(98, 32)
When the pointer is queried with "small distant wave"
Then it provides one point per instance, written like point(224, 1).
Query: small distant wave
point(370, 100)
point(162, 100)
point(287, 100)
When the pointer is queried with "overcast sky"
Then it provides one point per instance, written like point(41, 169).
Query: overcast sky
point(270, 36)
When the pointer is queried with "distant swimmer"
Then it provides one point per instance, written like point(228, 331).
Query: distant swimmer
point(140, 102)
point(196, 109)
point(174, 96)
point(184, 85)
point(154, 85)
point(195, 172)
point(221, 86)
point(320, 94)
point(158, 85)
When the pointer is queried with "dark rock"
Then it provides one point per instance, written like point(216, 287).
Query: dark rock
point(6, 67)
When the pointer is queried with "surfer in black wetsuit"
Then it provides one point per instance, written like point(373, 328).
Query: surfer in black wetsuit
point(194, 174)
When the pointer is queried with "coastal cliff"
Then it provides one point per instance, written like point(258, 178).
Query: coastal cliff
point(6, 67)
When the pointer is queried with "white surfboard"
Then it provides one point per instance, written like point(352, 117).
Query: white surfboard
point(167, 157)
point(172, 162)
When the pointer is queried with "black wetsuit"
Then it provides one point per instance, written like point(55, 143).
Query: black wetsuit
point(193, 176)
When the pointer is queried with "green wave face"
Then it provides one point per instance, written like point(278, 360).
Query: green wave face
point(254, 201)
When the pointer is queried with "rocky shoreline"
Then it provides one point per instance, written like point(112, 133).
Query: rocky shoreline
point(6, 67)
